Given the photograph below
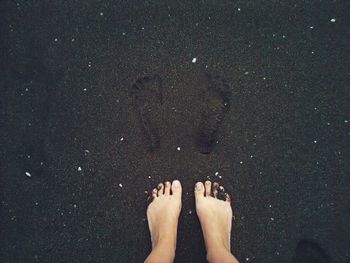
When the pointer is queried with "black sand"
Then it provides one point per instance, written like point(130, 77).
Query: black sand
point(67, 120)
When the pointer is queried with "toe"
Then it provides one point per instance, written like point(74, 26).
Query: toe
point(228, 198)
point(207, 188)
point(160, 189)
point(176, 188)
point(221, 193)
point(199, 190)
point(167, 188)
point(154, 193)
point(215, 189)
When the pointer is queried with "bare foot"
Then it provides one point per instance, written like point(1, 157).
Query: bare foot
point(163, 214)
point(215, 216)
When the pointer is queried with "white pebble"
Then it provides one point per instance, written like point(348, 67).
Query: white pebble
point(333, 20)
point(178, 148)
point(315, 141)
point(28, 174)
point(216, 173)
point(101, 14)
point(120, 185)
point(79, 168)
point(241, 162)
point(238, 9)
point(122, 139)
point(56, 39)
point(194, 60)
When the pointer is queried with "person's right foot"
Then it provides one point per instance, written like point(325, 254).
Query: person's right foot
point(217, 103)
point(215, 216)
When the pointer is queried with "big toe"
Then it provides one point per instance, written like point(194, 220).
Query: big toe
point(199, 190)
point(176, 188)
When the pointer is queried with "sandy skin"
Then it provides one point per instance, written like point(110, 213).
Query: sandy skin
point(214, 215)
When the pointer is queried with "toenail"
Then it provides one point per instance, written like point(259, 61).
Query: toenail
point(176, 183)
point(160, 186)
point(198, 186)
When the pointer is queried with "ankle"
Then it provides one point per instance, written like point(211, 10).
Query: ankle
point(214, 242)
point(221, 256)
point(218, 254)
point(165, 247)
point(161, 253)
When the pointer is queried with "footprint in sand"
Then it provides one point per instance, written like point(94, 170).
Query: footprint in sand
point(217, 103)
point(147, 98)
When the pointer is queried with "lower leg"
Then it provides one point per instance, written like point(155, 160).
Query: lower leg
point(215, 217)
point(161, 254)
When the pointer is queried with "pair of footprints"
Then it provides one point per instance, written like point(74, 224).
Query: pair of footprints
point(147, 94)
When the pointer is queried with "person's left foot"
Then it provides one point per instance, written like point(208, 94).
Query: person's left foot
point(147, 100)
point(163, 214)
